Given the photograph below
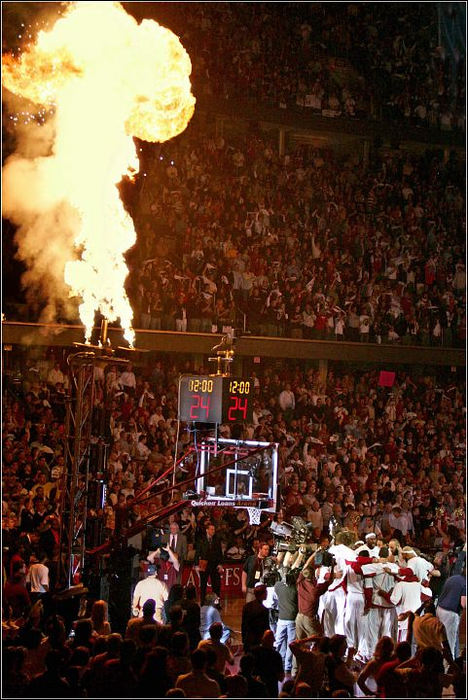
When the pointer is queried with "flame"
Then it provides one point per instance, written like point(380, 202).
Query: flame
point(108, 79)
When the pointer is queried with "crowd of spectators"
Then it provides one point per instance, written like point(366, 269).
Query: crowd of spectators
point(388, 460)
point(361, 252)
point(309, 245)
point(336, 439)
point(351, 447)
point(314, 243)
point(350, 60)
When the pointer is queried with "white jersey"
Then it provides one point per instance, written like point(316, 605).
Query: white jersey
point(354, 581)
point(420, 567)
point(342, 553)
point(407, 595)
point(376, 578)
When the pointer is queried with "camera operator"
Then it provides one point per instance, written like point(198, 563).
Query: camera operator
point(308, 595)
point(254, 570)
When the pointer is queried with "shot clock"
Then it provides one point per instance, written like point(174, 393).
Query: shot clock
point(215, 399)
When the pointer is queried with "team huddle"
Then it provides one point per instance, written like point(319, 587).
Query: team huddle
point(362, 591)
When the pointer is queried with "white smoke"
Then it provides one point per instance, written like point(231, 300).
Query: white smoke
point(46, 225)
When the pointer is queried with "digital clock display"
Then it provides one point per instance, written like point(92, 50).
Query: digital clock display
point(215, 399)
point(237, 400)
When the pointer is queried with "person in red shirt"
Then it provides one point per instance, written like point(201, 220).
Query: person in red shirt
point(389, 683)
point(308, 596)
point(15, 593)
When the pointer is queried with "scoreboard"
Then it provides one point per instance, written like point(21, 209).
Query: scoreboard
point(215, 399)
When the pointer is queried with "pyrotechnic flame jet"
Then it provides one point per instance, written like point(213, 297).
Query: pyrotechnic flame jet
point(109, 79)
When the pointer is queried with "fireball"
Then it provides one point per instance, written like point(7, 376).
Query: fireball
point(108, 79)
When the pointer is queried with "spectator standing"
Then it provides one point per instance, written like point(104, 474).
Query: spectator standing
point(99, 618)
point(382, 654)
point(15, 593)
point(127, 380)
point(269, 663)
point(191, 621)
point(197, 683)
point(429, 631)
point(255, 619)
point(135, 624)
point(452, 601)
point(208, 557)
point(286, 594)
point(223, 655)
point(177, 542)
point(340, 677)
point(38, 577)
point(311, 661)
point(56, 376)
point(255, 687)
point(50, 684)
point(286, 399)
point(150, 587)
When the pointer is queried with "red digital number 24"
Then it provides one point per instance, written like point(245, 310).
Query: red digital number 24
point(198, 403)
point(238, 404)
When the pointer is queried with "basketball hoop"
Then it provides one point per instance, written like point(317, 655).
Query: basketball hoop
point(254, 515)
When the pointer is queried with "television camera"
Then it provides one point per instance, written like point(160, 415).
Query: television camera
point(296, 537)
point(290, 536)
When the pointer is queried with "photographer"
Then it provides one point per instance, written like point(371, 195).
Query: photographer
point(308, 595)
point(167, 565)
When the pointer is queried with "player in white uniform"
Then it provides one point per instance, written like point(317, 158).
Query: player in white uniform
point(407, 595)
point(334, 600)
point(381, 616)
point(354, 619)
point(371, 544)
point(421, 568)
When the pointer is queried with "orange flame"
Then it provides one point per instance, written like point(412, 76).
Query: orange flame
point(109, 79)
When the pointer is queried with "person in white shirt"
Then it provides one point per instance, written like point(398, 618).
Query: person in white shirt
point(56, 375)
point(150, 587)
point(371, 544)
point(381, 619)
point(398, 521)
point(141, 450)
point(156, 417)
point(420, 567)
point(38, 577)
point(407, 596)
point(286, 399)
point(315, 517)
point(127, 380)
point(333, 602)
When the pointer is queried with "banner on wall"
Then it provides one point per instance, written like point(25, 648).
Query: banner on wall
point(231, 578)
point(386, 378)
